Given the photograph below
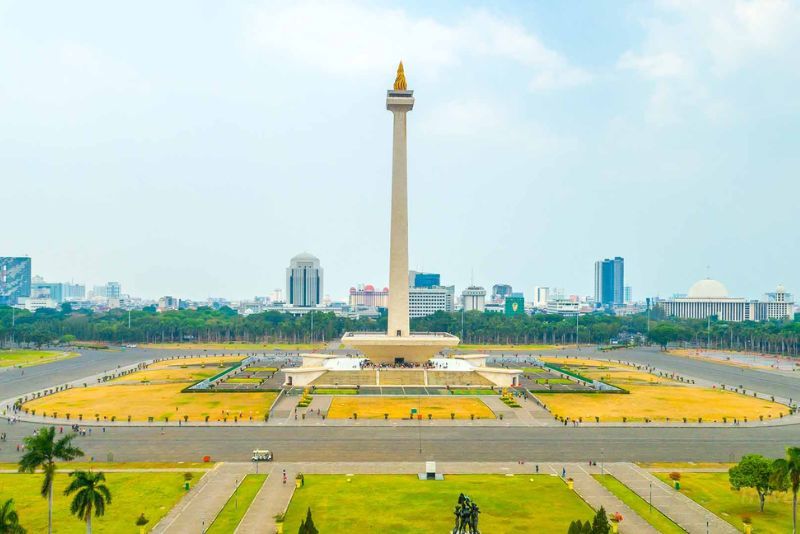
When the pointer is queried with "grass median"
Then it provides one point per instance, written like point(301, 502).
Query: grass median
point(650, 514)
point(232, 513)
point(29, 358)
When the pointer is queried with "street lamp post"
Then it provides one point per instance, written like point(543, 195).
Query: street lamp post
point(651, 497)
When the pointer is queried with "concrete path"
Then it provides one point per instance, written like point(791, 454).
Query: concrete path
point(197, 510)
point(596, 495)
point(272, 499)
point(681, 509)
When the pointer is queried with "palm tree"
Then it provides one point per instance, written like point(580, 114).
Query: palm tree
point(9, 520)
point(788, 469)
point(90, 494)
point(42, 451)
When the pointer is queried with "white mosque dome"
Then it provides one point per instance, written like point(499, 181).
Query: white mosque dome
point(708, 289)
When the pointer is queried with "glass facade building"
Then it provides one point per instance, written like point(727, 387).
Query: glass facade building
point(15, 279)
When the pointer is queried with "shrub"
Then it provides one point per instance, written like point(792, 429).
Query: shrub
point(675, 476)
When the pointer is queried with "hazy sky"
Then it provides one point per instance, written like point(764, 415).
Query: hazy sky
point(192, 148)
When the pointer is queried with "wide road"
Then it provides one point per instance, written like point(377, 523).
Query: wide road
point(779, 383)
point(405, 441)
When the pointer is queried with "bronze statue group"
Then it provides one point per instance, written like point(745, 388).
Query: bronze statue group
point(466, 513)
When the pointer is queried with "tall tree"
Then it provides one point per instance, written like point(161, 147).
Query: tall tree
point(600, 525)
point(755, 471)
point(42, 451)
point(307, 526)
point(91, 494)
point(9, 520)
point(787, 471)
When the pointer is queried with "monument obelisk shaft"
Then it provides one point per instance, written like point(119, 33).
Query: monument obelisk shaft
point(399, 101)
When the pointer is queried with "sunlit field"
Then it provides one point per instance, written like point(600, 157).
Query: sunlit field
point(400, 407)
point(27, 358)
point(652, 397)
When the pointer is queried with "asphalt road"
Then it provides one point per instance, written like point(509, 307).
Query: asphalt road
point(778, 383)
point(404, 442)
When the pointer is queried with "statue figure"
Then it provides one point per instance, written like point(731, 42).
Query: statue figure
point(466, 516)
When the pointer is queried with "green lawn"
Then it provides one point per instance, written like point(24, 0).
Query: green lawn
point(658, 520)
point(404, 504)
point(232, 513)
point(243, 380)
point(262, 369)
point(335, 391)
point(531, 370)
point(27, 358)
point(473, 392)
point(713, 491)
point(554, 381)
point(153, 494)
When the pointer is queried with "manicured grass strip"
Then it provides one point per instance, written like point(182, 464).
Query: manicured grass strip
point(151, 494)
point(29, 358)
point(653, 516)
point(334, 391)
point(261, 369)
point(554, 381)
point(102, 466)
point(473, 392)
point(403, 504)
point(530, 370)
point(507, 348)
point(243, 380)
point(713, 491)
point(232, 513)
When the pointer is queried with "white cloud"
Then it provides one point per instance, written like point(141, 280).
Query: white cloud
point(691, 48)
point(662, 65)
point(350, 38)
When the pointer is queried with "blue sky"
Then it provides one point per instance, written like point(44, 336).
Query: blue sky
point(192, 148)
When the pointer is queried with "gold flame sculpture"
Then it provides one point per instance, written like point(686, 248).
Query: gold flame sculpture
point(400, 81)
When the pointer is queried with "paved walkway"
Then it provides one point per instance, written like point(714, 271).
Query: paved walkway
point(681, 509)
point(596, 495)
point(271, 500)
point(197, 510)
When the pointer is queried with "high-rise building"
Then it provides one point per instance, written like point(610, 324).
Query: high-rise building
point(473, 298)
point(74, 291)
point(15, 279)
point(48, 290)
point(304, 281)
point(424, 301)
point(369, 296)
point(609, 282)
point(427, 279)
point(500, 292)
point(541, 295)
point(628, 294)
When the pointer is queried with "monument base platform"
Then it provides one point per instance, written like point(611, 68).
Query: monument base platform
point(415, 348)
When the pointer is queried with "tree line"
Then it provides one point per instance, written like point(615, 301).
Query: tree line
point(205, 324)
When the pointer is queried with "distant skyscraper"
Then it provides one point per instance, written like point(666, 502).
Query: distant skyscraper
point(628, 294)
point(113, 290)
point(304, 281)
point(473, 298)
point(609, 282)
point(15, 279)
point(500, 292)
point(74, 291)
point(48, 290)
point(541, 295)
point(427, 279)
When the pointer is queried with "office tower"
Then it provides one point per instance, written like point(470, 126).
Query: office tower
point(15, 279)
point(427, 279)
point(304, 281)
point(473, 298)
point(609, 282)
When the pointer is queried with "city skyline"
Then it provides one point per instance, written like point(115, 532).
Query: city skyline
point(177, 166)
